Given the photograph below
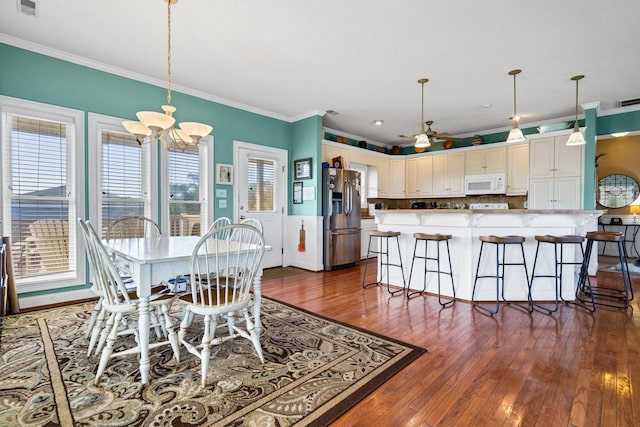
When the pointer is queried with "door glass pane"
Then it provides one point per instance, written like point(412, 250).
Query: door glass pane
point(261, 189)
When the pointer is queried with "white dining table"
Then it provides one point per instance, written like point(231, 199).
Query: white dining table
point(153, 260)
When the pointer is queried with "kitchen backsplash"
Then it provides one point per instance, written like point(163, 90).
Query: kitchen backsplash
point(515, 202)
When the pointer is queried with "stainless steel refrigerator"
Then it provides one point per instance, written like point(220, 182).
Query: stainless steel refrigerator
point(341, 212)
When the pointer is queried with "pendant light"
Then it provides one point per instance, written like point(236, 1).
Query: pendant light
point(154, 125)
point(422, 139)
point(515, 134)
point(576, 138)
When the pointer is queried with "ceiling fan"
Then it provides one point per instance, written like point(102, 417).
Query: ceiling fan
point(440, 135)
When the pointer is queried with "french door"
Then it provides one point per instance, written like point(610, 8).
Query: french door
point(261, 193)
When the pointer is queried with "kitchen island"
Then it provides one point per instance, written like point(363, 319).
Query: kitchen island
point(466, 226)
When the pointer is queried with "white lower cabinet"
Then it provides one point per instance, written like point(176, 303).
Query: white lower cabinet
point(367, 225)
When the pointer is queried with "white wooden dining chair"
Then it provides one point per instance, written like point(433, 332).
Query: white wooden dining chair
point(220, 222)
point(120, 303)
point(222, 272)
point(254, 223)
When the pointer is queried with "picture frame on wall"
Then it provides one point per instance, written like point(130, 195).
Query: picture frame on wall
point(224, 174)
point(302, 168)
point(297, 193)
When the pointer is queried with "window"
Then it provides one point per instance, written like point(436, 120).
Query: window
point(121, 177)
point(185, 207)
point(364, 170)
point(42, 186)
point(261, 178)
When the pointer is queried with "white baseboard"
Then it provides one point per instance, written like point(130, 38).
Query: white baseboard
point(55, 298)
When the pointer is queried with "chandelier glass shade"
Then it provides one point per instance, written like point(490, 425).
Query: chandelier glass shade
point(422, 139)
point(153, 125)
point(576, 138)
point(515, 134)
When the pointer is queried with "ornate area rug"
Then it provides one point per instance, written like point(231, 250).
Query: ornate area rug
point(315, 369)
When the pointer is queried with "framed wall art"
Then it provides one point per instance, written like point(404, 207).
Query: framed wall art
point(302, 169)
point(224, 174)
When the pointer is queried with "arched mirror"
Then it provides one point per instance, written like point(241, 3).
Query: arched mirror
point(617, 191)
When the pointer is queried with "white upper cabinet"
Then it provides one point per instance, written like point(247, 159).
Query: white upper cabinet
point(552, 157)
point(418, 177)
point(396, 177)
point(448, 174)
point(555, 173)
point(486, 160)
point(517, 169)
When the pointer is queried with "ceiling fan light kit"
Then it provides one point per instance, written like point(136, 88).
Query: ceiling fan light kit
point(515, 135)
point(154, 125)
point(576, 138)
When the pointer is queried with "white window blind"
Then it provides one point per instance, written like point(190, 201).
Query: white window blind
point(185, 206)
point(261, 191)
point(39, 194)
point(123, 183)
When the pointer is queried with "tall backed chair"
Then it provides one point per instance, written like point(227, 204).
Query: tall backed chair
point(131, 226)
point(223, 266)
point(220, 222)
point(254, 223)
point(119, 303)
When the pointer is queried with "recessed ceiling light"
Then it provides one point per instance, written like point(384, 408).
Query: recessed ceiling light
point(486, 106)
point(378, 122)
point(619, 134)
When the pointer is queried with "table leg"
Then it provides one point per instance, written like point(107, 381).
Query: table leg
point(143, 326)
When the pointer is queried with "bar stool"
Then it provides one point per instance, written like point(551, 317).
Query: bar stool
point(437, 239)
point(383, 250)
point(623, 296)
point(559, 263)
point(501, 241)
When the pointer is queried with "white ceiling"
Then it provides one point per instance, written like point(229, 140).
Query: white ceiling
point(361, 58)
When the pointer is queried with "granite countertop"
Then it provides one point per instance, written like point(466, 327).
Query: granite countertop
point(494, 211)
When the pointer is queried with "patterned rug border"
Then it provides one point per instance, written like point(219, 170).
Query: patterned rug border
point(344, 405)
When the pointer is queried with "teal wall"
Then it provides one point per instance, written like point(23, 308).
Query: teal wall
point(32, 76)
point(306, 143)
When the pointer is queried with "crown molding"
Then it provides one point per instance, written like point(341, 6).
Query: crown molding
point(79, 60)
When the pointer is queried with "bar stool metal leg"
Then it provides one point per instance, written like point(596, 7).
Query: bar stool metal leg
point(437, 239)
point(500, 271)
point(383, 252)
point(607, 294)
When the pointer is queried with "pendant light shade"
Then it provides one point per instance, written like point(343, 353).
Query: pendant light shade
point(158, 126)
point(422, 139)
point(576, 138)
point(515, 135)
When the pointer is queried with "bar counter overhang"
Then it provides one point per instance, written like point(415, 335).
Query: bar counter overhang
point(466, 226)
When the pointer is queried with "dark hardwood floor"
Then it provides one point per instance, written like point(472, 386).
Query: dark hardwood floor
point(571, 368)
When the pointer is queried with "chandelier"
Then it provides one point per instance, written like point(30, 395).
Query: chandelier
point(154, 125)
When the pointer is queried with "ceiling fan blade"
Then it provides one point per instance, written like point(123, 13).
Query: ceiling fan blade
point(446, 136)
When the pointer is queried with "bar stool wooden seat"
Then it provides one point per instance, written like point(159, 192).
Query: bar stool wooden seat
point(603, 295)
point(437, 239)
point(383, 251)
point(501, 242)
point(559, 263)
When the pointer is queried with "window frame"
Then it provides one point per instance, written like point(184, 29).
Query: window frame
point(75, 180)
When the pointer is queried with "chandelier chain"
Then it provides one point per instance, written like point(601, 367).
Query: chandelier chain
point(169, 52)
point(514, 97)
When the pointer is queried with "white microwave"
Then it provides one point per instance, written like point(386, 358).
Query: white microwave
point(490, 183)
